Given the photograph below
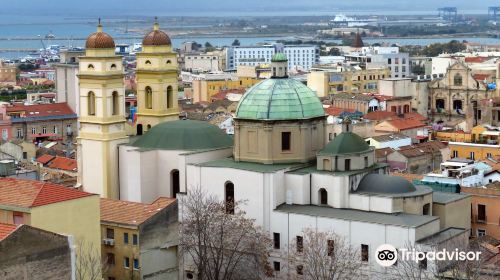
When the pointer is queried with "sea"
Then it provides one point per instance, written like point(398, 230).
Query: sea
point(21, 32)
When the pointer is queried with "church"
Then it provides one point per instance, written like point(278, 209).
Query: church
point(279, 161)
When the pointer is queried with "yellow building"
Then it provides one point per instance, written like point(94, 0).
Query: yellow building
point(139, 240)
point(156, 81)
point(53, 208)
point(478, 144)
point(474, 151)
point(207, 85)
point(341, 79)
point(102, 115)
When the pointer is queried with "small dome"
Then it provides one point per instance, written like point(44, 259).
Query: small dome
point(279, 57)
point(378, 183)
point(187, 135)
point(279, 99)
point(345, 143)
point(156, 37)
point(100, 40)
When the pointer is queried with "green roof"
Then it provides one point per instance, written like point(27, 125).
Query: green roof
point(187, 135)
point(279, 99)
point(345, 143)
point(279, 57)
point(248, 166)
point(397, 219)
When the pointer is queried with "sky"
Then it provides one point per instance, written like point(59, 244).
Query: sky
point(211, 7)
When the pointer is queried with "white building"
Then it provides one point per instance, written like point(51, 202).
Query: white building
point(386, 57)
point(299, 56)
point(393, 140)
point(66, 79)
point(463, 172)
point(289, 177)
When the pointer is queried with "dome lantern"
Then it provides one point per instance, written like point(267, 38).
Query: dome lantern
point(279, 66)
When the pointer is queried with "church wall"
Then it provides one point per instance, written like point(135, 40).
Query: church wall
point(427, 229)
point(415, 205)
point(335, 187)
point(299, 186)
point(93, 170)
point(149, 176)
point(371, 203)
point(130, 177)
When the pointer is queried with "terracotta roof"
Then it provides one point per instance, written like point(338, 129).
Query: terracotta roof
point(6, 230)
point(379, 115)
point(408, 176)
point(27, 193)
point(476, 59)
point(403, 124)
point(412, 152)
point(44, 159)
point(42, 110)
point(131, 213)
point(63, 163)
point(415, 116)
point(380, 153)
point(480, 77)
point(336, 111)
point(421, 148)
point(100, 40)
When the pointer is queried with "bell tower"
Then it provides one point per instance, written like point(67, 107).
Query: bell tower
point(102, 115)
point(156, 81)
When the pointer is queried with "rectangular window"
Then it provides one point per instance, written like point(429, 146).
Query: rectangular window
point(330, 136)
point(366, 162)
point(136, 263)
point(300, 244)
point(25, 155)
point(110, 258)
point(481, 232)
point(110, 233)
point(472, 156)
point(331, 247)
point(134, 239)
point(126, 262)
point(33, 130)
point(347, 164)
point(481, 213)
point(277, 266)
point(17, 217)
point(19, 133)
point(125, 238)
point(455, 154)
point(44, 130)
point(389, 61)
point(55, 129)
point(364, 252)
point(285, 141)
point(488, 155)
point(276, 240)
point(300, 269)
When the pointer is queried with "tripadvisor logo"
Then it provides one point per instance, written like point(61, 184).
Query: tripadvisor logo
point(387, 255)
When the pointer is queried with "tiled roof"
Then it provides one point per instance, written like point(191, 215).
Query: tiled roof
point(131, 213)
point(336, 111)
point(476, 59)
point(389, 137)
point(6, 230)
point(63, 163)
point(480, 77)
point(414, 116)
point(27, 193)
point(42, 110)
point(412, 152)
point(380, 153)
point(379, 115)
point(44, 159)
point(403, 124)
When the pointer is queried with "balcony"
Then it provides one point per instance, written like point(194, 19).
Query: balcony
point(108, 242)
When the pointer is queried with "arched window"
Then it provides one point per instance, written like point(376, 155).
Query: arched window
point(457, 105)
point(229, 197)
point(149, 98)
point(174, 182)
point(148, 62)
point(170, 97)
point(90, 67)
point(426, 209)
point(115, 103)
point(113, 66)
point(406, 109)
point(439, 104)
point(169, 62)
point(323, 196)
point(148, 127)
point(457, 80)
point(91, 104)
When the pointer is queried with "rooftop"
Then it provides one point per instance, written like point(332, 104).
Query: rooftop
point(44, 159)
point(404, 124)
point(63, 163)
point(447, 197)
point(6, 230)
point(27, 193)
point(390, 137)
point(353, 96)
point(397, 219)
point(248, 166)
point(48, 111)
point(131, 213)
point(440, 237)
point(345, 143)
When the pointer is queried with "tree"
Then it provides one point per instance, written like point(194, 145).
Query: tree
point(208, 45)
point(235, 43)
point(221, 246)
point(324, 256)
point(89, 265)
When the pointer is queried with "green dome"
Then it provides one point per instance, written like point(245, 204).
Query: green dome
point(279, 57)
point(184, 135)
point(279, 99)
point(345, 143)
